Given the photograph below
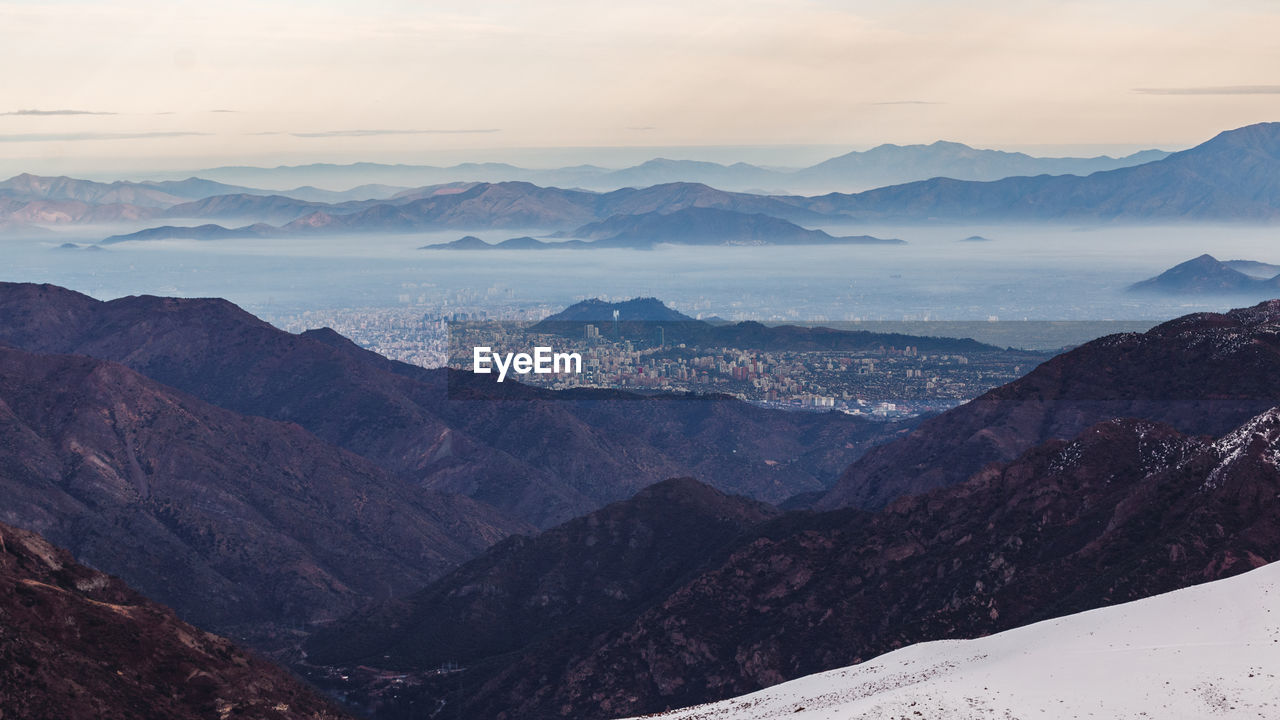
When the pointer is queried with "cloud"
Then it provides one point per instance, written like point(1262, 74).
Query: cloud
point(1213, 90)
point(371, 133)
point(643, 128)
point(223, 111)
point(906, 102)
point(55, 112)
point(76, 137)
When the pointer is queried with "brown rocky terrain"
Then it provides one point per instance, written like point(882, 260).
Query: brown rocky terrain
point(1126, 510)
point(232, 520)
point(76, 644)
point(1202, 374)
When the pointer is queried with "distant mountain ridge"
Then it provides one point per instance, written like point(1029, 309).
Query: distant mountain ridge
point(708, 226)
point(700, 226)
point(208, 231)
point(858, 170)
point(1233, 176)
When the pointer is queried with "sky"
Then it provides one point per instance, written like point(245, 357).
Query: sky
point(135, 84)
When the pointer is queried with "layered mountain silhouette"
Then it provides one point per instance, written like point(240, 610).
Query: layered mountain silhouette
point(1206, 275)
point(76, 644)
point(1254, 268)
point(882, 165)
point(541, 456)
point(523, 205)
point(1230, 177)
point(1233, 176)
point(1202, 374)
point(896, 164)
point(1126, 509)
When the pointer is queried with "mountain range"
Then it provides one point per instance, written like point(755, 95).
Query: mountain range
point(232, 520)
point(1124, 510)
point(261, 481)
point(1214, 372)
point(858, 170)
point(1233, 176)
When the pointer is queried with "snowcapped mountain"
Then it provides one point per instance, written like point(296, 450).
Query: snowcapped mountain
point(1212, 650)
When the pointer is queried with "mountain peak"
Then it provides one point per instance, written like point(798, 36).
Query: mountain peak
point(1203, 275)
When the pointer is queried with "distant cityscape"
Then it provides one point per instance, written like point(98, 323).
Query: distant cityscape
point(886, 382)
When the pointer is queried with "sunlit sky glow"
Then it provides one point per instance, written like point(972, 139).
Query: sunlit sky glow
point(183, 84)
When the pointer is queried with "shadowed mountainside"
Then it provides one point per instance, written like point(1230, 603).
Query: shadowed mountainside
point(1126, 510)
point(1202, 373)
point(231, 520)
point(76, 644)
point(1234, 176)
point(543, 456)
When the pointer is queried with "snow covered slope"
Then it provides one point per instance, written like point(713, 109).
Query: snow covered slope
point(1210, 651)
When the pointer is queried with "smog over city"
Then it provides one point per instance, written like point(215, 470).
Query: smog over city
point(602, 361)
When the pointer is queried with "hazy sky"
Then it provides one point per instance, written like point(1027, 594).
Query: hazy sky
point(187, 84)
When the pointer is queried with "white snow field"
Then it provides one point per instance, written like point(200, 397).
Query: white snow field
point(1210, 651)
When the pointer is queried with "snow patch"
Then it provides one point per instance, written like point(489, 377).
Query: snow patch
point(1235, 444)
point(1210, 651)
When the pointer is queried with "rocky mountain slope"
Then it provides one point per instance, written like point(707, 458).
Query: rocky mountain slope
point(1127, 510)
point(1117, 510)
point(234, 521)
point(575, 579)
point(542, 456)
point(76, 644)
point(1202, 374)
